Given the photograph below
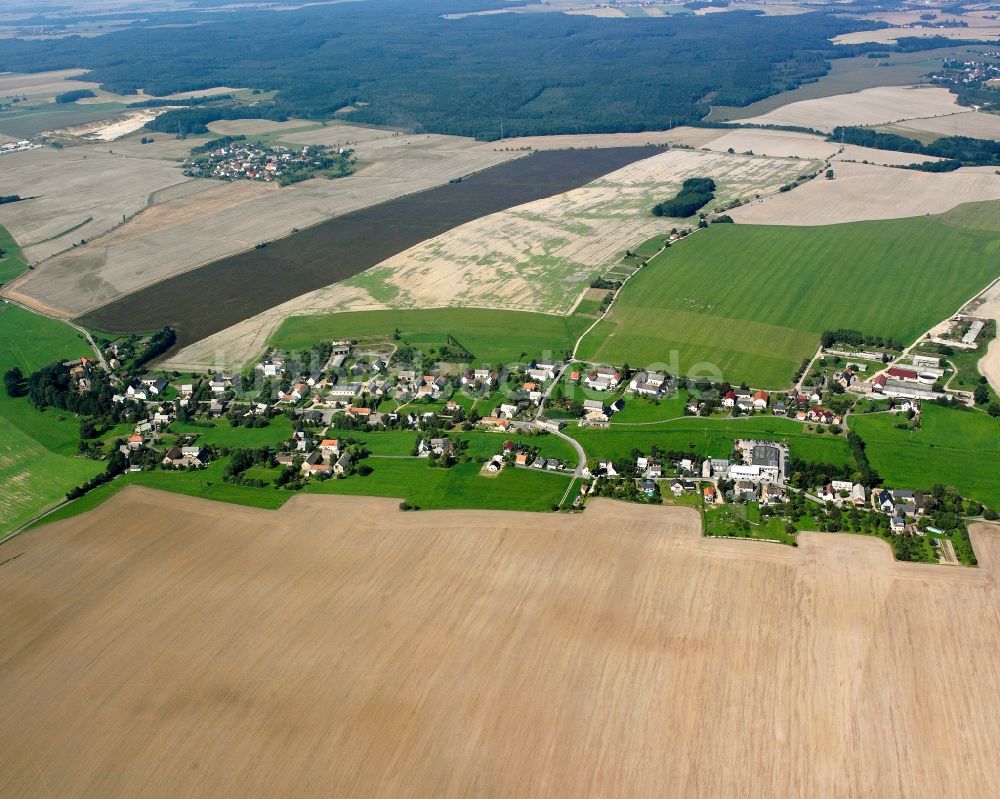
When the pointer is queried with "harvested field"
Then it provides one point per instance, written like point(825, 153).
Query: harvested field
point(537, 257)
point(72, 184)
point(774, 143)
point(990, 363)
point(868, 107)
point(256, 127)
point(977, 124)
point(890, 35)
point(108, 267)
point(693, 137)
point(40, 86)
point(204, 301)
point(456, 654)
point(861, 191)
point(852, 152)
point(852, 75)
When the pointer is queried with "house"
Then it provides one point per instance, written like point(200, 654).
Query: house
point(344, 391)
point(442, 447)
point(316, 464)
point(826, 493)
point(182, 458)
point(155, 385)
point(710, 495)
point(744, 489)
point(878, 384)
point(858, 495)
point(508, 411)
point(653, 470)
point(574, 376)
point(551, 465)
point(897, 524)
point(330, 447)
point(882, 500)
point(770, 494)
point(494, 423)
point(136, 393)
point(603, 378)
point(521, 459)
point(606, 469)
point(648, 487)
point(729, 399)
point(649, 384)
point(779, 409)
point(134, 441)
point(549, 425)
point(760, 400)
point(842, 485)
point(593, 410)
point(343, 464)
point(495, 464)
point(902, 372)
point(541, 375)
point(358, 412)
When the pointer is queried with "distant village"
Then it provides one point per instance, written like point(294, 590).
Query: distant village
point(234, 158)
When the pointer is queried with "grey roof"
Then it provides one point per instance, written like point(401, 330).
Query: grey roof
point(766, 455)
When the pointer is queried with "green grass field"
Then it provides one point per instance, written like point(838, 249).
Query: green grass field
point(38, 463)
point(461, 486)
point(709, 438)
point(751, 301)
point(12, 262)
point(224, 435)
point(494, 337)
point(958, 448)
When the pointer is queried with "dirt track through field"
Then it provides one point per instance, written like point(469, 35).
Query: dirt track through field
point(203, 301)
point(168, 646)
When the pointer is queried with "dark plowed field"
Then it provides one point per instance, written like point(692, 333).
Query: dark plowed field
point(213, 297)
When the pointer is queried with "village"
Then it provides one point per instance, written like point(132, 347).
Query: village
point(234, 158)
point(343, 397)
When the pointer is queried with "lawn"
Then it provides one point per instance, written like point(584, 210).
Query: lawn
point(493, 337)
point(222, 434)
point(709, 438)
point(640, 410)
point(38, 462)
point(12, 261)
point(749, 302)
point(461, 486)
point(959, 448)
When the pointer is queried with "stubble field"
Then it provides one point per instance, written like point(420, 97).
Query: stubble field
point(865, 191)
point(164, 646)
point(867, 107)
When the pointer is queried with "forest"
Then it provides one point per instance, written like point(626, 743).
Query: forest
point(402, 63)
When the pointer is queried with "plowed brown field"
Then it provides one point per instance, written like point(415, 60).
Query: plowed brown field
point(167, 646)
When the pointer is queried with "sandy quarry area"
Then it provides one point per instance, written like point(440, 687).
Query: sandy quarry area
point(866, 191)
point(535, 257)
point(108, 130)
point(977, 124)
point(167, 646)
point(868, 107)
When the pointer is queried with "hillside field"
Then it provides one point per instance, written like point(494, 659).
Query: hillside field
point(958, 448)
point(38, 462)
point(753, 300)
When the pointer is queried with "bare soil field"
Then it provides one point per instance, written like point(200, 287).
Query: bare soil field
point(256, 127)
point(868, 107)
point(977, 124)
point(863, 191)
point(167, 646)
point(539, 256)
point(203, 301)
